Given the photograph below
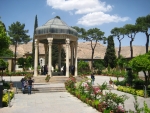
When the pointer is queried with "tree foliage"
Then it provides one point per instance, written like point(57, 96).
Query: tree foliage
point(25, 62)
point(83, 67)
point(18, 35)
point(110, 55)
point(6, 53)
point(55, 55)
point(99, 65)
point(3, 63)
point(93, 35)
point(131, 31)
point(33, 42)
point(144, 24)
point(119, 33)
point(142, 63)
point(4, 39)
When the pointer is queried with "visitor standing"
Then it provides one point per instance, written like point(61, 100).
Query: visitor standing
point(92, 78)
point(45, 69)
point(30, 85)
point(23, 84)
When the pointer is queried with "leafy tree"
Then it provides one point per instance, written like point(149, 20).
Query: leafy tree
point(3, 63)
point(25, 62)
point(93, 35)
point(144, 23)
point(83, 67)
point(33, 42)
point(118, 32)
point(99, 65)
point(130, 31)
point(55, 55)
point(121, 62)
point(110, 56)
point(18, 36)
point(7, 53)
point(142, 63)
point(4, 39)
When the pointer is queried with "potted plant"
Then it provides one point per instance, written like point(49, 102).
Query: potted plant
point(110, 81)
point(47, 78)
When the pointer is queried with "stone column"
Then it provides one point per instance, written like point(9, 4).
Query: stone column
point(36, 58)
point(59, 57)
point(46, 51)
point(67, 57)
point(76, 59)
point(50, 56)
point(72, 53)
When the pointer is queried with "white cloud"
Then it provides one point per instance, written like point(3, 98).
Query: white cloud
point(80, 6)
point(93, 12)
point(53, 13)
point(98, 18)
point(71, 13)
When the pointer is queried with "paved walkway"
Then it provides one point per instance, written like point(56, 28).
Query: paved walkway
point(59, 102)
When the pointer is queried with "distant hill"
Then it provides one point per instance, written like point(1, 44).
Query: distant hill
point(84, 50)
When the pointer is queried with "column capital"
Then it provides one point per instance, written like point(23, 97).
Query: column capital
point(67, 41)
point(36, 42)
point(50, 40)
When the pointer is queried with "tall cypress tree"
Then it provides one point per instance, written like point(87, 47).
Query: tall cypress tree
point(33, 48)
point(110, 55)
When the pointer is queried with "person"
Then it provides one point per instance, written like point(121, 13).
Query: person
point(92, 78)
point(72, 70)
point(45, 69)
point(24, 84)
point(30, 85)
point(64, 70)
point(42, 70)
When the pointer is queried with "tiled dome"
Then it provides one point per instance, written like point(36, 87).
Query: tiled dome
point(56, 26)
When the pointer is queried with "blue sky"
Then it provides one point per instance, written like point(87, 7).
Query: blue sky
point(102, 14)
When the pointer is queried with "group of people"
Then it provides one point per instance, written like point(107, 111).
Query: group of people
point(44, 70)
point(27, 84)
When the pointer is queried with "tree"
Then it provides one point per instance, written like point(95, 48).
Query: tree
point(18, 36)
point(110, 56)
point(33, 42)
point(25, 62)
point(6, 53)
point(55, 55)
point(130, 31)
point(4, 39)
point(142, 63)
point(118, 32)
point(93, 35)
point(144, 24)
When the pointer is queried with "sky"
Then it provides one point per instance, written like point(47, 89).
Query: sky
point(88, 14)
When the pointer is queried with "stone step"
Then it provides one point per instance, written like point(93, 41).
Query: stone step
point(44, 90)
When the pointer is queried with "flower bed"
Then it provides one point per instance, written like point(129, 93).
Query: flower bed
point(5, 98)
point(94, 96)
point(131, 90)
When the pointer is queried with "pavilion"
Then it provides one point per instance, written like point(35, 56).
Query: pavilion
point(57, 32)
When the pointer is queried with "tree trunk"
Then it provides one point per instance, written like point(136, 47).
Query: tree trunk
point(119, 49)
point(147, 42)
point(146, 79)
point(92, 59)
point(14, 69)
point(131, 48)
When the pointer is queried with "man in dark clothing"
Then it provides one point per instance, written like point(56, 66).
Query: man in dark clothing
point(23, 84)
point(92, 78)
point(45, 69)
point(30, 85)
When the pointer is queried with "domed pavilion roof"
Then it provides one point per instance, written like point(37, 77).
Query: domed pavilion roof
point(56, 26)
